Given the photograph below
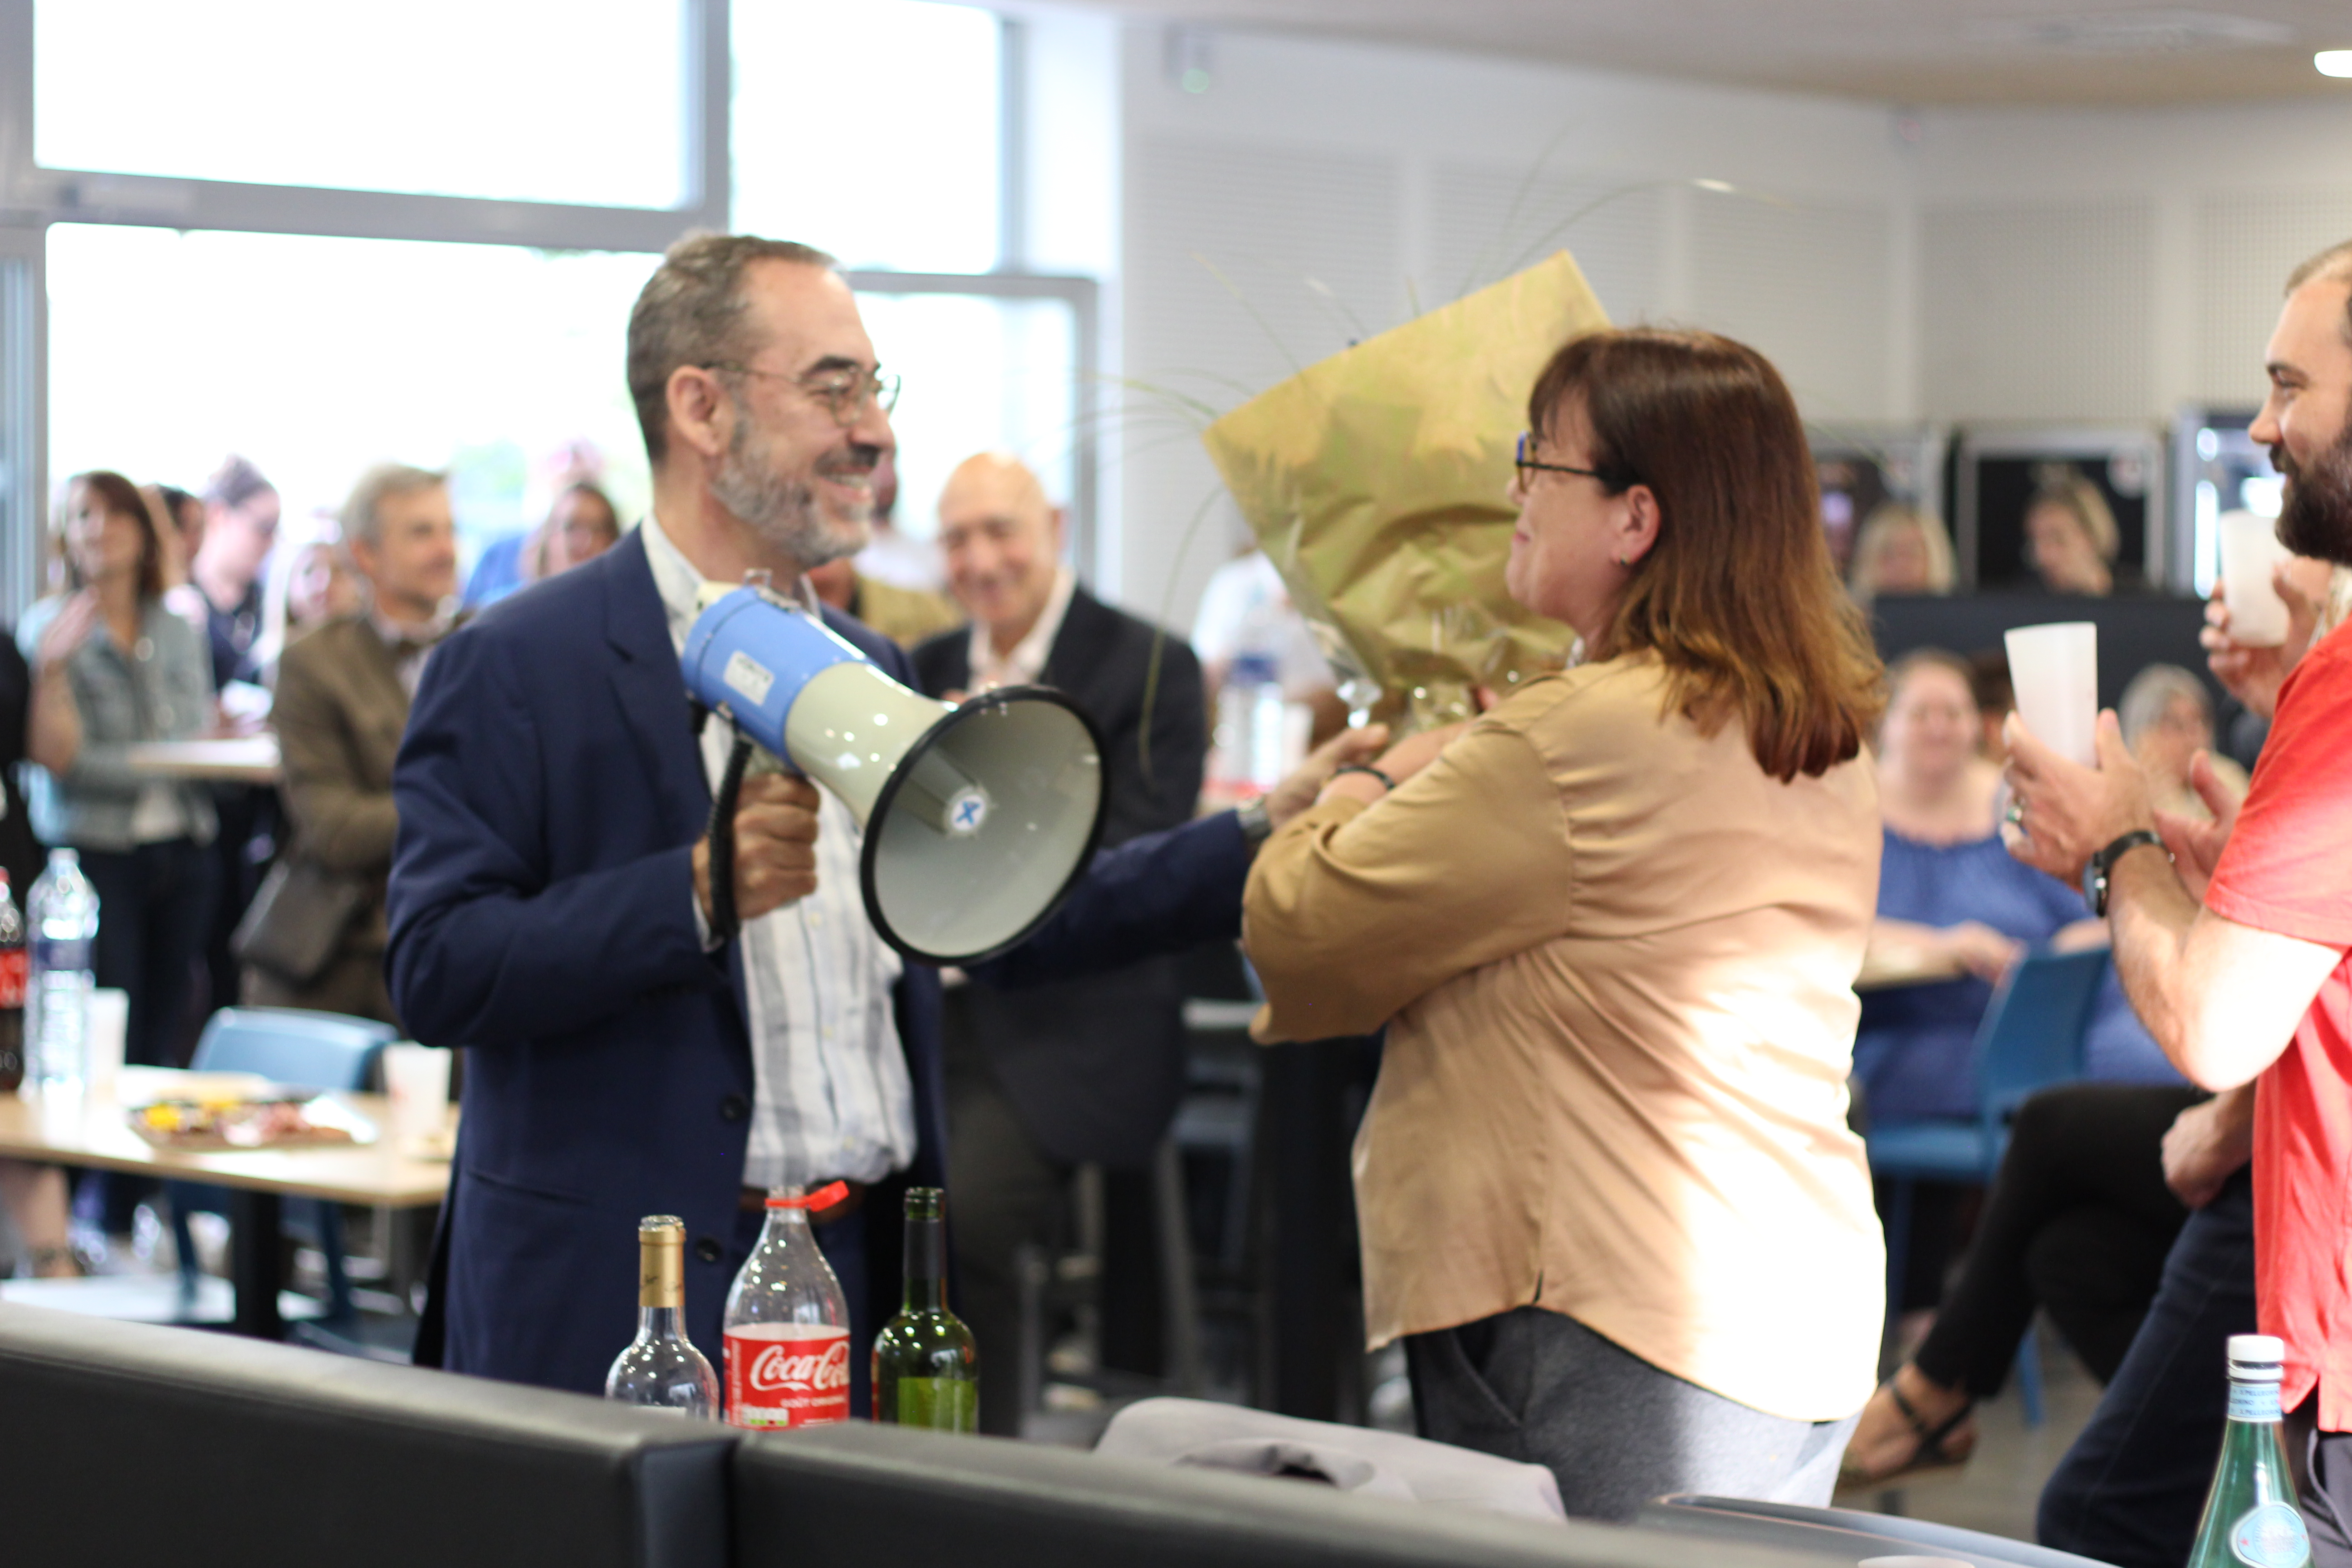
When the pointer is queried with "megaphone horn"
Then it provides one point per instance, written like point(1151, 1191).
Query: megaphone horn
point(977, 817)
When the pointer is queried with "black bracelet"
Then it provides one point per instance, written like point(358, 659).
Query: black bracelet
point(1386, 782)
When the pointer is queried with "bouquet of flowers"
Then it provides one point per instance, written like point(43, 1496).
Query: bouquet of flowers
point(1375, 481)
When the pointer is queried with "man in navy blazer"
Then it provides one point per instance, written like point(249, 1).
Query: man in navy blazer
point(549, 889)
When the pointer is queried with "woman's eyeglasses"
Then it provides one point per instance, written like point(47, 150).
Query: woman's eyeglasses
point(1525, 464)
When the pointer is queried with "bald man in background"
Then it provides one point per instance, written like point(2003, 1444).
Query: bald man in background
point(1043, 1079)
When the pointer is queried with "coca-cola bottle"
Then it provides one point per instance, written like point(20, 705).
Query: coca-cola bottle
point(12, 992)
point(787, 1325)
point(661, 1369)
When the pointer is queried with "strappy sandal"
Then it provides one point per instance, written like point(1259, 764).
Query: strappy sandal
point(1934, 1450)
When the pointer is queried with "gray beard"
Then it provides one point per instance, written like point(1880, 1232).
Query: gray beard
point(2315, 519)
point(781, 510)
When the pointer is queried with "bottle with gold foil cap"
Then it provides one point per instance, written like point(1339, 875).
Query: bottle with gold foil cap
point(661, 1369)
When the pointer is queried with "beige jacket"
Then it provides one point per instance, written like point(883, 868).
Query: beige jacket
point(1616, 963)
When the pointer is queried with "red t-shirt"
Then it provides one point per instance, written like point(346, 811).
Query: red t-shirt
point(2288, 869)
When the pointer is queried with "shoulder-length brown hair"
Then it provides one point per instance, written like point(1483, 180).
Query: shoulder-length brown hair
point(119, 495)
point(1738, 596)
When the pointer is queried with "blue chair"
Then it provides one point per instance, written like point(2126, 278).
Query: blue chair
point(2032, 1038)
point(324, 1051)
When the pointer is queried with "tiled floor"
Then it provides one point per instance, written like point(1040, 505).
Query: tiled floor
point(1997, 1489)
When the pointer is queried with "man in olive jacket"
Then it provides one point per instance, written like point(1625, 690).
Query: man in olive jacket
point(344, 692)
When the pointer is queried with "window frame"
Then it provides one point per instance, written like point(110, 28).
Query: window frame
point(33, 197)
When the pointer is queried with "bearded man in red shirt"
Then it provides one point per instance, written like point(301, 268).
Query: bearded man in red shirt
point(2234, 954)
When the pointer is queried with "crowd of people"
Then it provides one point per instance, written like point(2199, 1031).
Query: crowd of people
point(1612, 1186)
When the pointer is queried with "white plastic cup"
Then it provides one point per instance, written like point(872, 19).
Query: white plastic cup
point(416, 1082)
point(106, 1027)
point(2054, 670)
point(2251, 550)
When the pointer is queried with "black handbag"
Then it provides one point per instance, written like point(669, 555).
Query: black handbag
point(297, 920)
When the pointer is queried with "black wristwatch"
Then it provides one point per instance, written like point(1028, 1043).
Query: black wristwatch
point(2095, 875)
point(1255, 826)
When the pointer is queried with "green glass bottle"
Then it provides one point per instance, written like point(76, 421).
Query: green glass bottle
point(2251, 1518)
point(926, 1368)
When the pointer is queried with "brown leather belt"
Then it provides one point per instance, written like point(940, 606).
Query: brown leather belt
point(754, 1200)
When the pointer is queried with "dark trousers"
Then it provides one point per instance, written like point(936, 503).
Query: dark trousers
point(2130, 1489)
point(2323, 1484)
point(1542, 1388)
point(2078, 1222)
point(1006, 1191)
point(843, 1242)
point(152, 904)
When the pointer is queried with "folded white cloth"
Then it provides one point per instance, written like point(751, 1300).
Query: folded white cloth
point(1207, 1435)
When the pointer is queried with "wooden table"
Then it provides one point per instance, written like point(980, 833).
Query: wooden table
point(88, 1129)
point(240, 759)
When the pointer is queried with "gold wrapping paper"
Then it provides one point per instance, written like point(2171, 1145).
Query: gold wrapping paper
point(1375, 481)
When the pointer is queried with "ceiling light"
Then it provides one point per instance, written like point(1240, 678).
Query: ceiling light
point(2165, 31)
point(2334, 62)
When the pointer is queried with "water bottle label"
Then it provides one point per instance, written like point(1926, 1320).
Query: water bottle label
point(63, 952)
point(2271, 1536)
point(2254, 1401)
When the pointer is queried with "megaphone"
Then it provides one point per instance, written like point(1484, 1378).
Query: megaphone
point(977, 817)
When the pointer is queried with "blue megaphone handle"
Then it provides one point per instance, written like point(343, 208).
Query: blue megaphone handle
point(751, 653)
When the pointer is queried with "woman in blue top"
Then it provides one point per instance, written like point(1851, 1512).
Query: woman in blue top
point(1948, 887)
point(112, 666)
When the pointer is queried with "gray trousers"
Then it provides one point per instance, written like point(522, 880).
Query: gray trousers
point(1542, 1388)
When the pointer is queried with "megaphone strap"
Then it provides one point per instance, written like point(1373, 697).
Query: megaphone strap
point(724, 926)
point(824, 1197)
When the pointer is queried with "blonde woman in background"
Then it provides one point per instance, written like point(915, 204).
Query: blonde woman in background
point(2070, 538)
point(1900, 551)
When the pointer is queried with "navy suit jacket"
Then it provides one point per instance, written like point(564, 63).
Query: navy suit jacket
point(551, 790)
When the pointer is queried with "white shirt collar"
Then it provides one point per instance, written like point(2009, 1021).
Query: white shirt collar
point(1026, 662)
point(680, 582)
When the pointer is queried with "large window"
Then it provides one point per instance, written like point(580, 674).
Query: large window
point(981, 374)
point(317, 357)
point(869, 130)
point(323, 236)
point(544, 100)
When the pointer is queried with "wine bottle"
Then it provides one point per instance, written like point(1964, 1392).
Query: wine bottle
point(2251, 1518)
point(661, 1368)
point(926, 1367)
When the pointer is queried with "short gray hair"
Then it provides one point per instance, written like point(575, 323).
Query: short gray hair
point(362, 519)
point(691, 311)
point(2151, 691)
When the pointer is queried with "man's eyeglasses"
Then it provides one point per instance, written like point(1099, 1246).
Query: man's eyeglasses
point(844, 393)
point(1525, 463)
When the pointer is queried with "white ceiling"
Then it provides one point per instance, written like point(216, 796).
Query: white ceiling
point(1899, 51)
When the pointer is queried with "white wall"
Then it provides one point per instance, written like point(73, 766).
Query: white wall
point(1318, 192)
point(2117, 264)
point(1979, 266)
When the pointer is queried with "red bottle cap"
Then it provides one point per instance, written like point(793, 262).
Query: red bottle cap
point(824, 1197)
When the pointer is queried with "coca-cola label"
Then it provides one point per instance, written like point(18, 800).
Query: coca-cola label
point(787, 1374)
point(11, 978)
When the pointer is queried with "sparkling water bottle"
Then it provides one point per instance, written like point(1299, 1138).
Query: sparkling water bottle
point(787, 1324)
point(2251, 1519)
point(62, 915)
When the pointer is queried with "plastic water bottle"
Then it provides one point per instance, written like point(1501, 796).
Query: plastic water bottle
point(1251, 720)
point(62, 912)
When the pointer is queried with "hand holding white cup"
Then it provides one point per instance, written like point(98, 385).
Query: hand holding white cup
point(2251, 554)
point(2055, 670)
